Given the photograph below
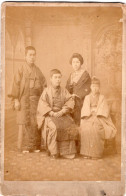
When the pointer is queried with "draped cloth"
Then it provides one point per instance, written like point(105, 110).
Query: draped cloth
point(95, 127)
point(56, 131)
point(27, 87)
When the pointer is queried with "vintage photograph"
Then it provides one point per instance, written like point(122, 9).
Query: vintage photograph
point(63, 92)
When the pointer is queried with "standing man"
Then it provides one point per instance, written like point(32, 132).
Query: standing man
point(28, 84)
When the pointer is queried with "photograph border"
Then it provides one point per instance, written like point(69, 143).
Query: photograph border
point(55, 188)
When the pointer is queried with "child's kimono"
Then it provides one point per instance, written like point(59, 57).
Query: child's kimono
point(55, 131)
point(96, 126)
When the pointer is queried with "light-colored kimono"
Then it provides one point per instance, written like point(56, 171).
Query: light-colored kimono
point(96, 126)
point(55, 133)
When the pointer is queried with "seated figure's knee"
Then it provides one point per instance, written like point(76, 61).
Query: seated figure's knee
point(52, 128)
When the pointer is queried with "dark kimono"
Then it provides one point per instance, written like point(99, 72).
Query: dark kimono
point(55, 131)
point(27, 87)
point(81, 88)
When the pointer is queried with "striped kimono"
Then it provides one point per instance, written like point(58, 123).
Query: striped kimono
point(96, 126)
point(55, 131)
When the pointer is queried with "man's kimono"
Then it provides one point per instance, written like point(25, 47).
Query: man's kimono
point(28, 84)
point(56, 132)
point(96, 126)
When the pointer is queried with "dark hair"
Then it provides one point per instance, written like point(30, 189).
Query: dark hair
point(95, 80)
point(54, 71)
point(77, 55)
point(29, 48)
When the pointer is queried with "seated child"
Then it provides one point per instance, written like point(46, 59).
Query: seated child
point(53, 117)
point(96, 124)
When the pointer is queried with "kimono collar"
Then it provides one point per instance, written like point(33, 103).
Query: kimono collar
point(94, 96)
point(75, 76)
point(30, 68)
point(31, 71)
point(55, 87)
point(79, 72)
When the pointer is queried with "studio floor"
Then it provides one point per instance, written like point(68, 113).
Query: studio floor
point(40, 167)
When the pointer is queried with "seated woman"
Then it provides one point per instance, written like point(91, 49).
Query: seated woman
point(78, 84)
point(53, 116)
point(96, 124)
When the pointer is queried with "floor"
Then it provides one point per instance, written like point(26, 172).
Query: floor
point(40, 167)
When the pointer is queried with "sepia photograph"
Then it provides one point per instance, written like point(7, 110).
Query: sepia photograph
point(63, 92)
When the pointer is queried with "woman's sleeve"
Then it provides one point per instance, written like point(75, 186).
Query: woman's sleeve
point(85, 90)
point(68, 86)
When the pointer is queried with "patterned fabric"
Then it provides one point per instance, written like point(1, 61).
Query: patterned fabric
point(92, 137)
point(27, 88)
point(55, 131)
point(65, 131)
point(96, 126)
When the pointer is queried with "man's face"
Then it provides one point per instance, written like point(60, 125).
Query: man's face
point(30, 56)
point(76, 64)
point(56, 80)
point(95, 88)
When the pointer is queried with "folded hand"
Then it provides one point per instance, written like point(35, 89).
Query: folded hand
point(58, 114)
point(16, 104)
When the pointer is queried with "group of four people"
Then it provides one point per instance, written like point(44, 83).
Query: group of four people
point(56, 118)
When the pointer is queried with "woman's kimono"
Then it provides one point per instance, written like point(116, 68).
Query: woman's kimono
point(56, 131)
point(80, 85)
point(96, 126)
point(27, 87)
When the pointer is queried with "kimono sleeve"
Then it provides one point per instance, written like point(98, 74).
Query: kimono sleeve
point(86, 110)
point(103, 109)
point(42, 80)
point(15, 88)
point(83, 87)
point(69, 87)
point(43, 108)
point(69, 101)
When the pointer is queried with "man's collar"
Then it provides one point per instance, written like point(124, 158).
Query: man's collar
point(55, 87)
point(29, 67)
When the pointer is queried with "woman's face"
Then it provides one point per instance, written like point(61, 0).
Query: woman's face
point(76, 64)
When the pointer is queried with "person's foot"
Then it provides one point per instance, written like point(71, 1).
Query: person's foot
point(53, 157)
point(69, 156)
point(95, 158)
point(36, 151)
point(56, 156)
point(25, 151)
point(85, 157)
point(48, 153)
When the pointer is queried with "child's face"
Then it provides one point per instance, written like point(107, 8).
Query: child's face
point(76, 64)
point(95, 89)
point(56, 80)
